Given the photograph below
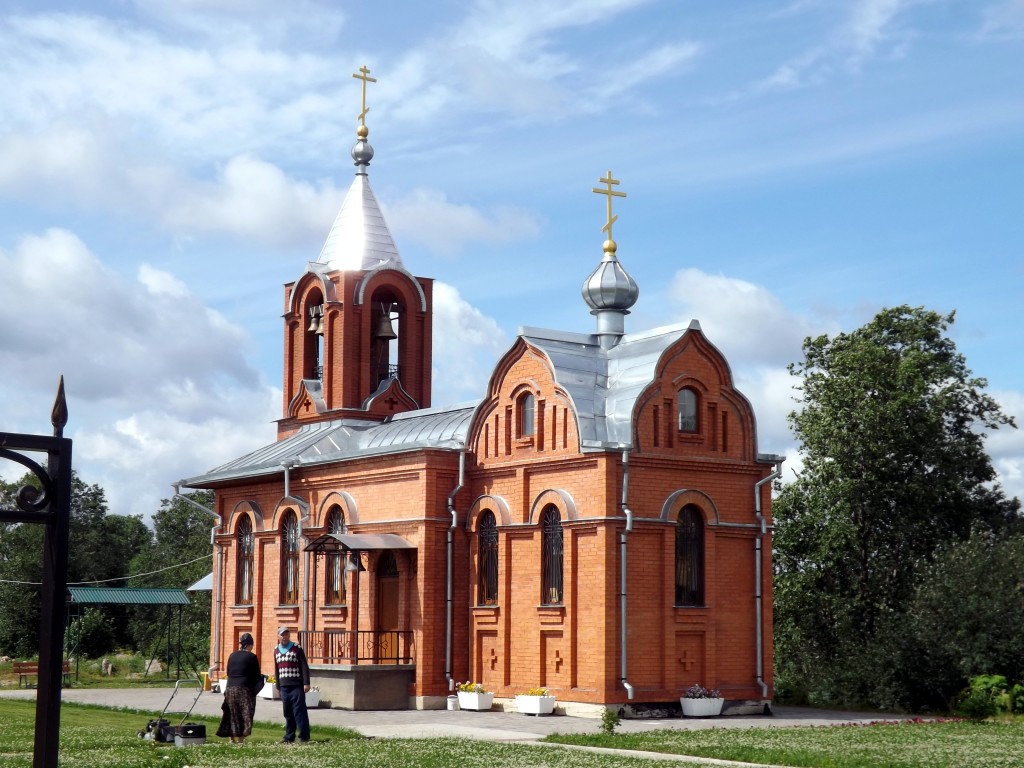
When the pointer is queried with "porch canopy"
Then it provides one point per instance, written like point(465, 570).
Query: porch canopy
point(357, 542)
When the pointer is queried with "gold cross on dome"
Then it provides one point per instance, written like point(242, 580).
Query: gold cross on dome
point(365, 77)
point(609, 181)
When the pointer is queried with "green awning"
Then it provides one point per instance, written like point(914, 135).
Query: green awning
point(127, 596)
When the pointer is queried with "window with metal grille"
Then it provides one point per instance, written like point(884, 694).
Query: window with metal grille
point(688, 410)
point(551, 558)
point(335, 581)
point(690, 557)
point(246, 545)
point(290, 559)
point(527, 413)
point(487, 548)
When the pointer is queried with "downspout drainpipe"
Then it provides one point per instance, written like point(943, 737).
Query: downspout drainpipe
point(303, 518)
point(622, 578)
point(451, 554)
point(217, 565)
point(758, 596)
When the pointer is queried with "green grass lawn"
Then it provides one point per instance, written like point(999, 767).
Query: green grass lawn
point(956, 744)
point(98, 737)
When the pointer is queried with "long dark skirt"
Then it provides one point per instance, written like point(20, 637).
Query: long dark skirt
point(237, 711)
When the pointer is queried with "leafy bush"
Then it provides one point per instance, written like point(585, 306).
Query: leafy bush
point(976, 704)
point(610, 720)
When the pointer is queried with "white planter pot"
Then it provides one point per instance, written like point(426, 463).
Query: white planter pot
point(312, 699)
point(268, 691)
point(481, 702)
point(701, 707)
point(535, 705)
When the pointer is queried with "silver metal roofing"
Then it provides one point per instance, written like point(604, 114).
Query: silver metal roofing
point(342, 439)
point(357, 542)
point(604, 384)
point(359, 238)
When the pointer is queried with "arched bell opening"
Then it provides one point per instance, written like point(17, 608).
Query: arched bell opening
point(385, 337)
point(313, 336)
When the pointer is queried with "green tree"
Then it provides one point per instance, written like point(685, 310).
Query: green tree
point(968, 612)
point(180, 554)
point(892, 428)
point(100, 549)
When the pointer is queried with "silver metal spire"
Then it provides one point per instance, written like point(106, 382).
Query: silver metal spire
point(610, 290)
point(359, 238)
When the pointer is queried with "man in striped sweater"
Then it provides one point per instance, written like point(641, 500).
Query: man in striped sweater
point(291, 671)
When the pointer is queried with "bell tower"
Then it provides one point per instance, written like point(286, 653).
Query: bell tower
point(357, 324)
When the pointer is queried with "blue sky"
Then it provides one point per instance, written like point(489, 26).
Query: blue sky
point(791, 168)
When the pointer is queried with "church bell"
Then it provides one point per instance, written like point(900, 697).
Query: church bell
point(384, 328)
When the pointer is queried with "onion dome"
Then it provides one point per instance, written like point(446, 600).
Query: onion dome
point(610, 286)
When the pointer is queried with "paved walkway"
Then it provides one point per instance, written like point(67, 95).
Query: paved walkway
point(488, 726)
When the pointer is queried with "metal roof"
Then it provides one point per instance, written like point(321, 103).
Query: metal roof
point(357, 542)
point(359, 238)
point(127, 596)
point(604, 384)
point(340, 439)
point(205, 584)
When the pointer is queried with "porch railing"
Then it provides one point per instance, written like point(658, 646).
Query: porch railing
point(345, 646)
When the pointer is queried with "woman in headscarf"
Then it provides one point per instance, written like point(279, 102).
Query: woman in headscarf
point(243, 681)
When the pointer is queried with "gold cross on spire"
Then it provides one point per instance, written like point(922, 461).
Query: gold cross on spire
point(609, 181)
point(365, 77)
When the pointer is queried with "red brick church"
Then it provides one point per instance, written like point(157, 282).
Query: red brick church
point(597, 523)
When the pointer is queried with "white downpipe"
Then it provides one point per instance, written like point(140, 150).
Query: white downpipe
point(758, 576)
point(451, 553)
point(217, 565)
point(303, 518)
point(622, 578)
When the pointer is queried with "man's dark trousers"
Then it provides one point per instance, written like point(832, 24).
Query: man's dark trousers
point(293, 699)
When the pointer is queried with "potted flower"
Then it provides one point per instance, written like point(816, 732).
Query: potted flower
point(698, 701)
point(536, 701)
point(268, 691)
point(475, 696)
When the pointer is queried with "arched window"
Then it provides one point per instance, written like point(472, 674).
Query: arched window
point(551, 557)
point(688, 421)
point(487, 547)
point(246, 546)
point(335, 581)
point(690, 557)
point(527, 413)
point(289, 559)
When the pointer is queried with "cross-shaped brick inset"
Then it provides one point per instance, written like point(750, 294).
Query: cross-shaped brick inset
point(686, 661)
point(306, 405)
point(493, 661)
point(391, 402)
point(558, 661)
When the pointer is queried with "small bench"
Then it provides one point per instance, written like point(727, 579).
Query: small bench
point(29, 669)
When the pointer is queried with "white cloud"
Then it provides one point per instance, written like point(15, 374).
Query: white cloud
point(746, 321)
point(254, 200)
point(428, 217)
point(158, 385)
point(867, 27)
point(466, 346)
point(1003, 21)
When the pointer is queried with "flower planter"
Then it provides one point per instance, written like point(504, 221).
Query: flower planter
point(312, 699)
point(535, 705)
point(268, 691)
point(701, 707)
point(481, 702)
